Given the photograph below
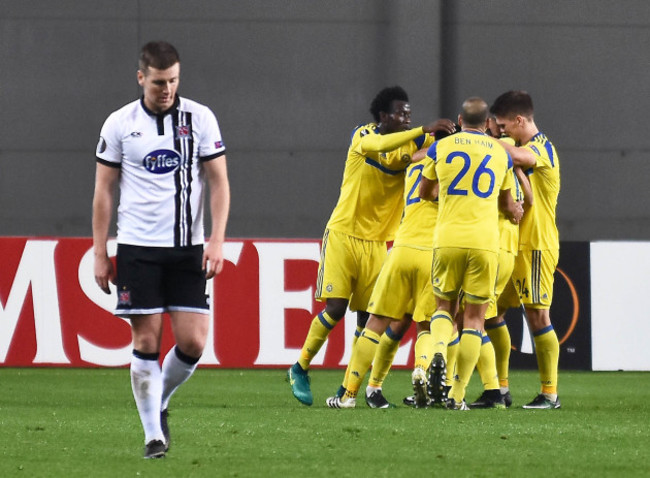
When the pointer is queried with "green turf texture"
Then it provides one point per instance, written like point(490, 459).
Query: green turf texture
point(246, 423)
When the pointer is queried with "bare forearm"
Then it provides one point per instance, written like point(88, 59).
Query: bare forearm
point(219, 210)
point(217, 176)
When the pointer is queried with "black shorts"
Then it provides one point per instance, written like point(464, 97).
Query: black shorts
point(153, 280)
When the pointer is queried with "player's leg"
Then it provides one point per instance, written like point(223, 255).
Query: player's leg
point(361, 361)
point(146, 380)
point(362, 320)
point(478, 286)
point(535, 272)
point(334, 288)
point(547, 350)
point(447, 273)
point(190, 330)
point(469, 350)
point(388, 345)
point(487, 369)
point(423, 351)
point(371, 292)
point(319, 330)
point(141, 299)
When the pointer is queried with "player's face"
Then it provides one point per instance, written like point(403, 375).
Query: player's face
point(493, 128)
point(159, 87)
point(400, 118)
point(510, 126)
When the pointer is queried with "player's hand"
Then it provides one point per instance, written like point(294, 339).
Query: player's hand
point(212, 258)
point(517, 212)
point(442, 125)
point(104, 273)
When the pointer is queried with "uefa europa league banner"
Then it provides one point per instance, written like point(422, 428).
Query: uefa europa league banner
point(53, 314)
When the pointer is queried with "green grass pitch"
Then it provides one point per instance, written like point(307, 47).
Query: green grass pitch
point(246, 423)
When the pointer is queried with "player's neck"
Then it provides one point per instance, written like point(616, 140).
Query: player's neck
point(528, 132)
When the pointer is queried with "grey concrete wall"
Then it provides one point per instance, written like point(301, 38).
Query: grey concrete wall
point(288, 81)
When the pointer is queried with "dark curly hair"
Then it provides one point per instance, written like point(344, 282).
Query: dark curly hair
point(384, 100)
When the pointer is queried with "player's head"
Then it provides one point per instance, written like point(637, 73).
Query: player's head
point(158, 74)
point(391, 109)
point(513, 111)
point(474, 113)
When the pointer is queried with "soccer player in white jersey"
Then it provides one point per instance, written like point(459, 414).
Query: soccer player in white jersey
point(161, 149)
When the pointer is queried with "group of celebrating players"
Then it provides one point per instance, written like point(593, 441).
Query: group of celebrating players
point(470, 208)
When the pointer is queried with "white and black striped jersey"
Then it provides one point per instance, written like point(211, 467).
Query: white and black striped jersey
point(161, 179)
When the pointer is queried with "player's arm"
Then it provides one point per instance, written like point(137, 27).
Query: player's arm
point(429, 185)
point(525, 186)
point(512, 209)
point(217, 177)
point(106, 178)
point(429, 189)
point(522, 157)
point(376, 143)
point(388, 142)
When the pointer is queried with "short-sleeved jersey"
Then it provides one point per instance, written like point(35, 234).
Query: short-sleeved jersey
point(472, 168)
point(419, 216)
point(161, 181)
point(370, 202)
point(538, 230)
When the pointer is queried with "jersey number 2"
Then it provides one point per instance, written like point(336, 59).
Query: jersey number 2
point(412, 196)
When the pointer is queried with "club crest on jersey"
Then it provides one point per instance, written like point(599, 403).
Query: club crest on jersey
point(161, 161)
point(183, 132)
point(124, 297)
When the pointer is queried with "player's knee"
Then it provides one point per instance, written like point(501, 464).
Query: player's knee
point(192, 347)
point(336, 308)
point(362, 318)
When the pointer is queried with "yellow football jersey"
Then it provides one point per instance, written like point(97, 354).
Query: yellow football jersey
point(509, 232)
point(371, 199)
point(419, 217)
point(472, 168)
point(538, 230)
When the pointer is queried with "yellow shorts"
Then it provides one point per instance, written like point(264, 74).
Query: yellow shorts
point(472, 270)
point(403, 283)
point(348, 268)
point(508, 299)
point(504, 277)
point(533, 277)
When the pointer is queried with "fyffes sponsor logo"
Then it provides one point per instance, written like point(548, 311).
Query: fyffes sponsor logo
point(161, 161)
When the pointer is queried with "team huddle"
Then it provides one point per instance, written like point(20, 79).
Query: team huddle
point(470, 209)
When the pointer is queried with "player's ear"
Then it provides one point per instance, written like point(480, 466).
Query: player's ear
point(140, 77)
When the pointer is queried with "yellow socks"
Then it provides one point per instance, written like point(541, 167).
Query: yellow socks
point(500, 338)
point(423, 350)
point(384, 356)
point(486, 365)
point(468, 353)
point(442, 328)
point(452, 356)
point(319, 330)
point(547, 349)
point(361, 360)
